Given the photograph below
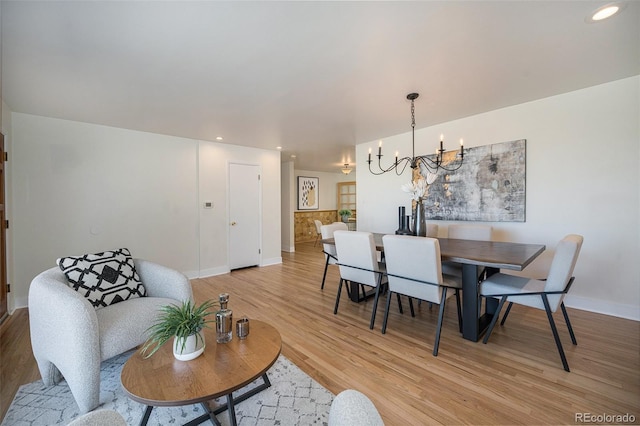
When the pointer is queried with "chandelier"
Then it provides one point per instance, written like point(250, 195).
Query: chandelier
point(432, 163)
point(346, 170)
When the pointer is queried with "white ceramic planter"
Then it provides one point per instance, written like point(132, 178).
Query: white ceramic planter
point(193, 347)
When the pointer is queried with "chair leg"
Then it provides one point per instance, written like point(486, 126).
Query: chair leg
point(494, 320)
point(566, 319)
point(443, 300)
point(555, 332)
point(375, 302)
point(399, 303)
point(324, 276)
point(386, 313)
point(504, 317)
point(459, 310)
point(413, 313)
point(335, 310)
point(348, 285)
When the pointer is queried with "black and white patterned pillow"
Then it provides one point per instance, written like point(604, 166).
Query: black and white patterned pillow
point(103, 278)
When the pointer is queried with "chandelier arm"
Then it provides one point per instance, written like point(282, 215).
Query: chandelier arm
point(382, 170)
point(434, 166)
point(451, 169)
point(375, 173)
point(406, 163)
point(429, 164)
point(388, 169)
point(427, 160)
point(393, 166)
point(453, 165)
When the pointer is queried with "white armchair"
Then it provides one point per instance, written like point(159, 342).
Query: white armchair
point(546, 295)
point(70, 338)
point(353, 408)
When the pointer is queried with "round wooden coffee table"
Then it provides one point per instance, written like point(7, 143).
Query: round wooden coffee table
point(162, 380)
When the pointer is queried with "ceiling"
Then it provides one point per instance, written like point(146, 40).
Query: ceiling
point(315, 78)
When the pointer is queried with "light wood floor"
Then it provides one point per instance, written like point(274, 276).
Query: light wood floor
point(515, 379)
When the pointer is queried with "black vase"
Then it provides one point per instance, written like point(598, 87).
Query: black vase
point(403, 223)
point(419, 220)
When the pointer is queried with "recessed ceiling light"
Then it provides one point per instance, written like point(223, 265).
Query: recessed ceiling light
point(604, 12)
point(278, 148)
point(218, 138)
point(293, 156)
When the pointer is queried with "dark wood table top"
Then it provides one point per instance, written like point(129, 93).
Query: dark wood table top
point(497, 254)
point(162, 380)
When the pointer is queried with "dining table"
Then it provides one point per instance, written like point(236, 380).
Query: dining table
point(473, 255)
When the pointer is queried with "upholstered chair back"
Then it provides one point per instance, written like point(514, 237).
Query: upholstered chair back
point(415, 258)
point(357, 256)
point(561, 271)
point(471, 232)
point(327, 232)
point(432, 230)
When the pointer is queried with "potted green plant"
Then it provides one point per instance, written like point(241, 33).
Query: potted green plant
point(344, 214)
point(184, 323)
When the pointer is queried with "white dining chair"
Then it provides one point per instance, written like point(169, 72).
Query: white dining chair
point(359, 265)
point(432, 230)
point(318, 230)
point(414, 269)
point(329, 250)
point(546, 294)
point(470, 232)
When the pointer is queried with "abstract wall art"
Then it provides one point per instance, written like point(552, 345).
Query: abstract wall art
point(489, 187)
point(308, 193)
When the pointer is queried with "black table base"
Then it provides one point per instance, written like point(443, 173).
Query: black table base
point(211, 414)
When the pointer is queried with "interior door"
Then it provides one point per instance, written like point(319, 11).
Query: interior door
point(3, 238)
point(244, 215)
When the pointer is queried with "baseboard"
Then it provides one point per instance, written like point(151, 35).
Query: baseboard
point(288, 249)
point(20, 302)
point(603, 307)
point(221, 270)
point(191, 274)
point(271, 261)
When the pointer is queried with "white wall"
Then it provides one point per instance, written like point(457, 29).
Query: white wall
point(79, 188)
point(287, 205)
point(583, 162)
point(214, 223)
point(6, 131)
point(328, 186)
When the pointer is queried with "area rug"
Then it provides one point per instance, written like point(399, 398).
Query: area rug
point(294, 398)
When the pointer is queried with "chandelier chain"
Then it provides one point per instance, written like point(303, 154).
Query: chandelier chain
point(413, 115)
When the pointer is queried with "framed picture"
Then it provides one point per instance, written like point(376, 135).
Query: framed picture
point(308, 193)
point(489, 187)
